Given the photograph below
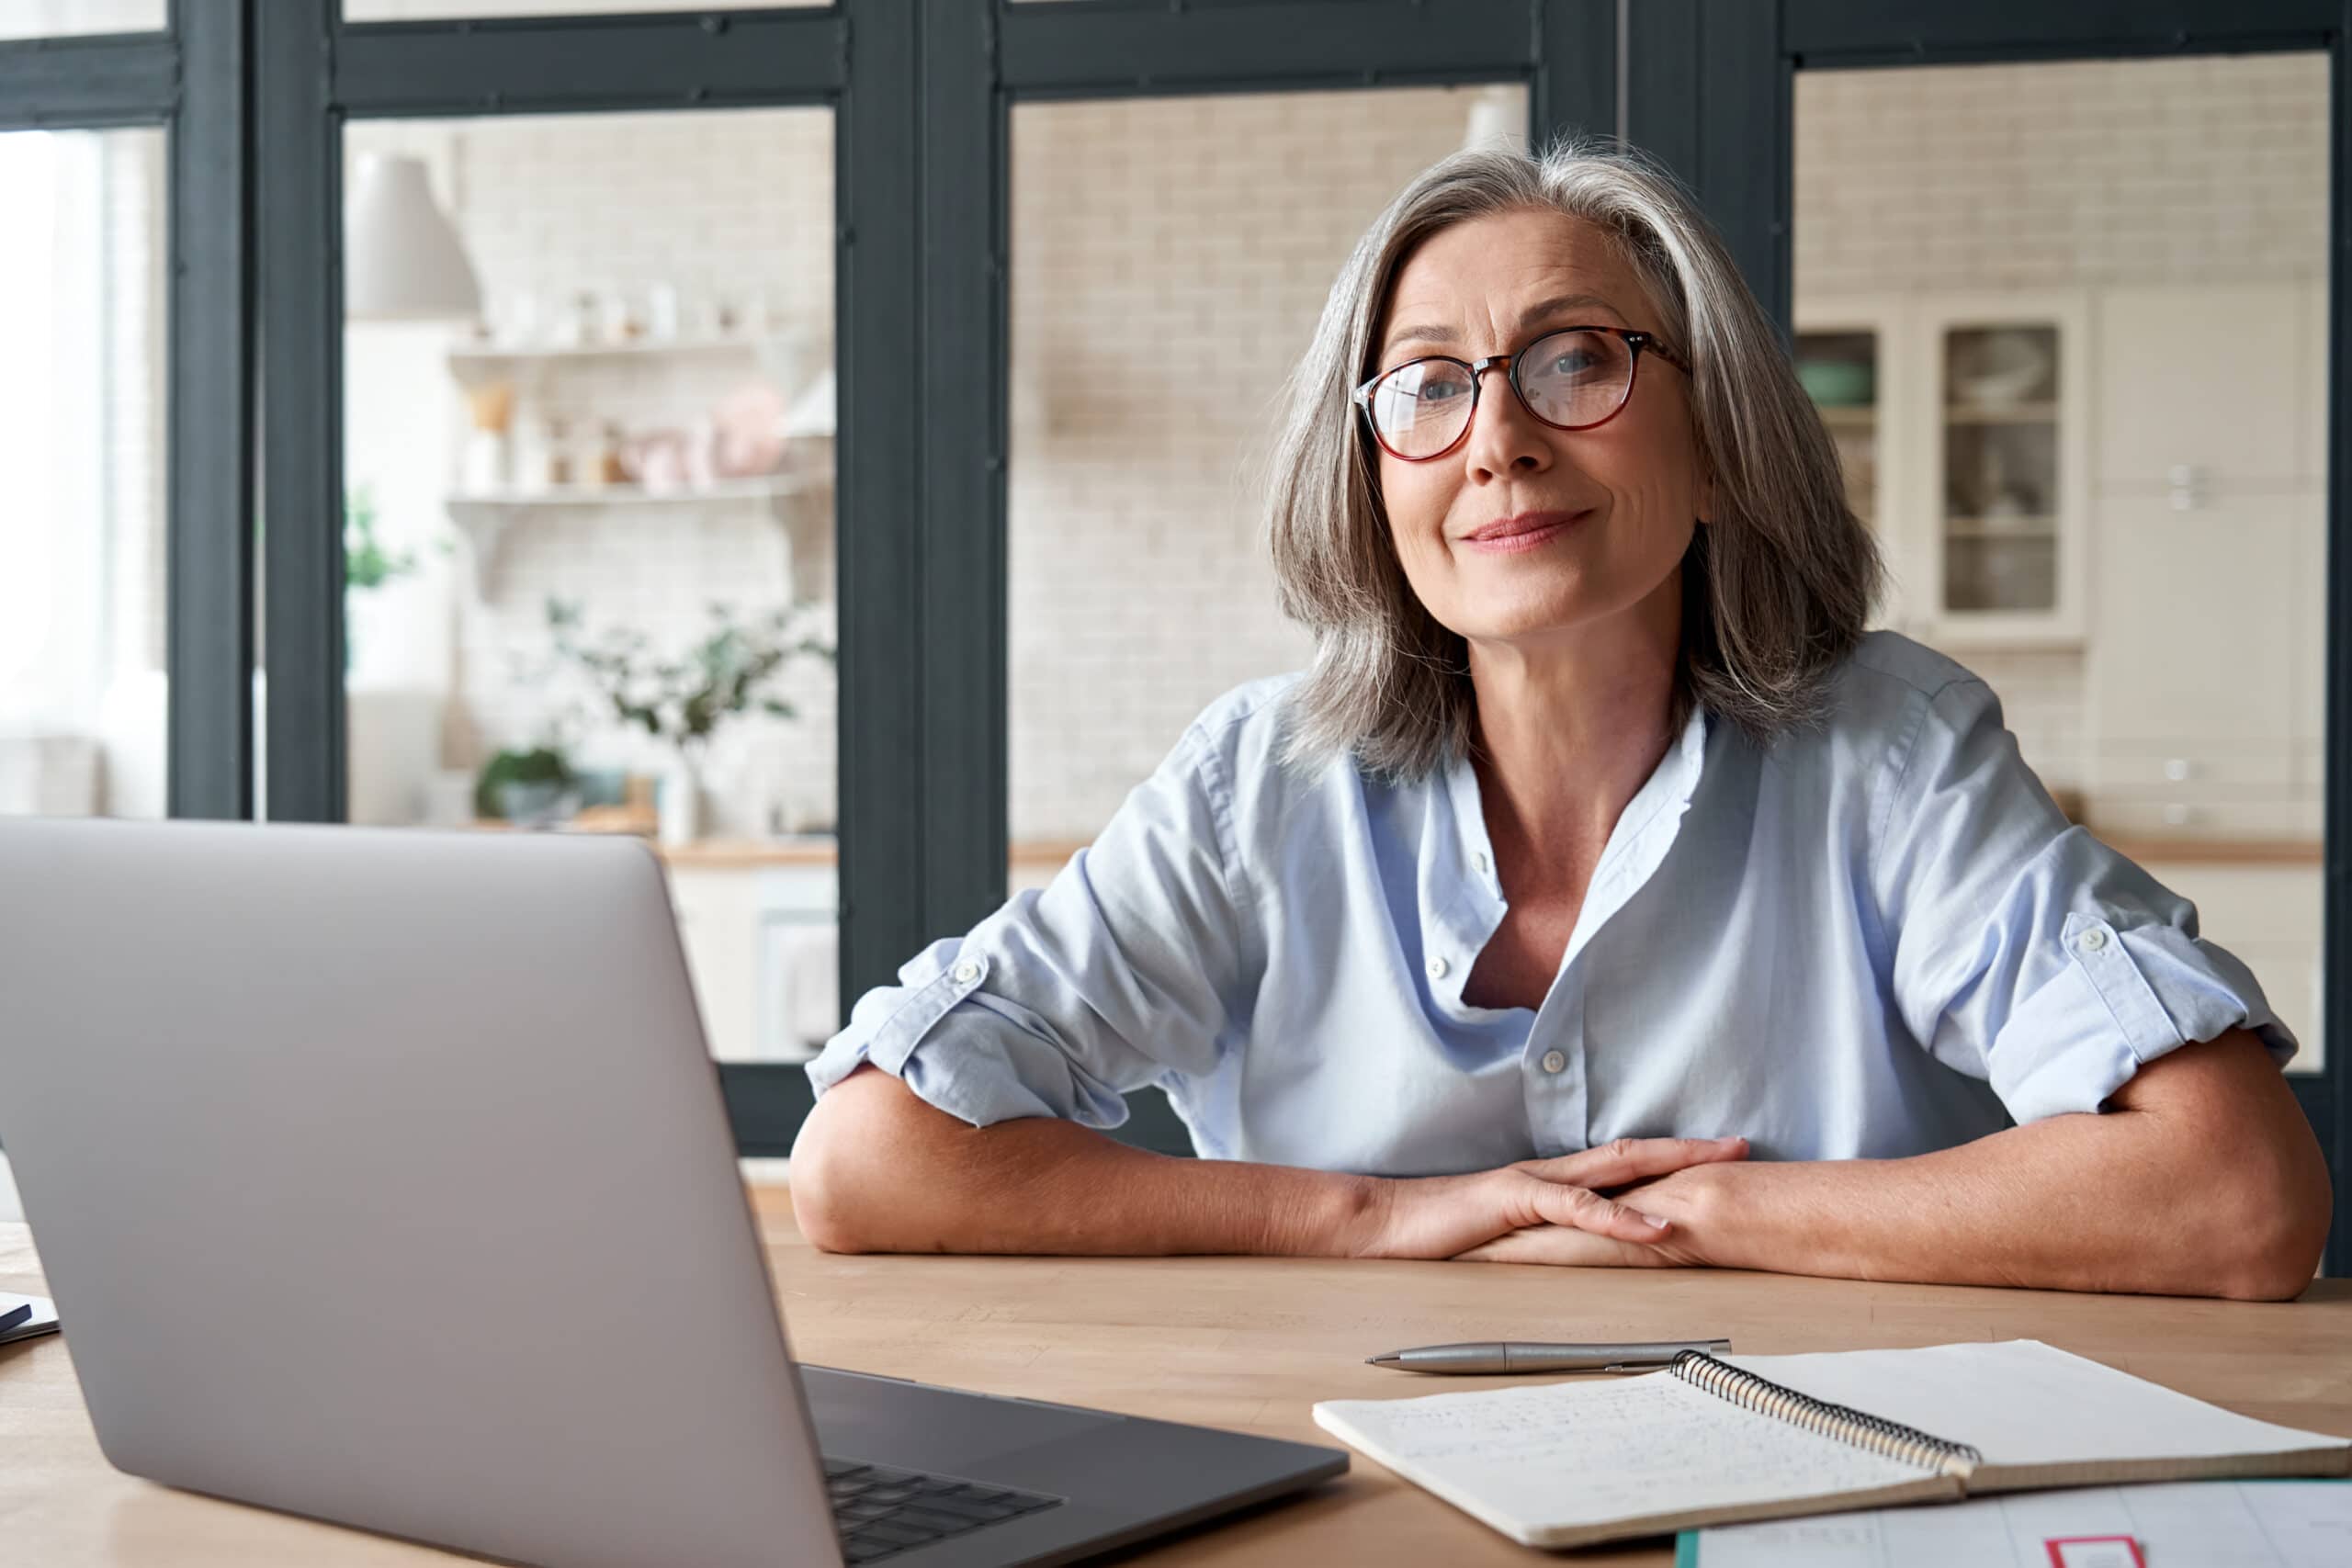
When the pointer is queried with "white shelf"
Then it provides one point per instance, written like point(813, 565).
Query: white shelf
point(2001, 413)
point(741, 343)
point(766, 488)
point(2022, 528)
point(485, 519)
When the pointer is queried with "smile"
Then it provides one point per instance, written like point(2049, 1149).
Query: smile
point(1527, 531)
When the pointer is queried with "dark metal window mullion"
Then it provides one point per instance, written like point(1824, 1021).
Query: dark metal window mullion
point(1573, 87)
point(82, 84)
point(589, 63)
point(298, 166)
point(210, 409)
point(1078, 49)
point(962, 578)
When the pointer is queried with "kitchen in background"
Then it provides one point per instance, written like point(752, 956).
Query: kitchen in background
point(588, 415)
point(2066, 319)
point(2067, 322)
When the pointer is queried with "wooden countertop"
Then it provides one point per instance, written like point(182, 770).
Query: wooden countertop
point(1248, 1343)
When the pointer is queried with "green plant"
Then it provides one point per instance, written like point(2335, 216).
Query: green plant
point(683, 700)
point(365, 562)
point(541, 764)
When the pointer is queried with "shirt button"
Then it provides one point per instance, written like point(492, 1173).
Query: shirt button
point(1480, 859)
point(2091, 941)
point(1438, 967)
point(1554, 1062)
point(966, 972)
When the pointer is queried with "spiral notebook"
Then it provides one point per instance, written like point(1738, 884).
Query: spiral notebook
point(1716, 1440)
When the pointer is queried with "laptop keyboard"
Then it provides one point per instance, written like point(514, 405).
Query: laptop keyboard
point(879, 1511)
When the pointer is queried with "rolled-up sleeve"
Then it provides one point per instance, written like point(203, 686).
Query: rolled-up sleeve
point(2025, 952)
point(1130, 968)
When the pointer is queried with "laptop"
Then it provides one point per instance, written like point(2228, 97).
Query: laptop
point(382, 1177)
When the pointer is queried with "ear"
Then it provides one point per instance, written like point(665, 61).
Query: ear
point(1706, 502)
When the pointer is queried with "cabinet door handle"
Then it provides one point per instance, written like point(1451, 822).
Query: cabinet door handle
point(2179, 816)
point(2188, 486)
point(2178, 769)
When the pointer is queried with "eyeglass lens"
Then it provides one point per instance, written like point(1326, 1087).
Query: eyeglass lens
point(1570, 378)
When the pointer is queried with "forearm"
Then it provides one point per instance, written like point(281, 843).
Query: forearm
point(2222, 1194)
point(876, 1169)
point(2028, 1206)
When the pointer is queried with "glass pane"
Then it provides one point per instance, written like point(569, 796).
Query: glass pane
point(82, 330)
point(2001, 467)
point(1144, 259)
point(1839, 370)
point(587, 494)
point(56, 18)
point(2097, 292)
point(442, 10)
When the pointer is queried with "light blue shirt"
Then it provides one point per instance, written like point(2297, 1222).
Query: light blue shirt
point(1873, 938)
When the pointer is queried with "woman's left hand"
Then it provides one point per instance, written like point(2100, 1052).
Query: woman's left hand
point(1680, 1196)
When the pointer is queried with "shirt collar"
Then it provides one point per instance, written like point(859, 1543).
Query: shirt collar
point(1664, 797)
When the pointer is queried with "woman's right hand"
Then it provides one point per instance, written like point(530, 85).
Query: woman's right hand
point(1440, 1216)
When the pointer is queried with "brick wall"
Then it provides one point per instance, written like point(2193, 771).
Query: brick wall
point(1169, 259)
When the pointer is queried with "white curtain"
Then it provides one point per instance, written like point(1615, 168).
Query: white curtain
point(53, 533)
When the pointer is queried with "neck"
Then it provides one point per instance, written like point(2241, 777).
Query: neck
point(1569, 727)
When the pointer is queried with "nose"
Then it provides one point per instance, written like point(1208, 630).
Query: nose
point(1505, 440)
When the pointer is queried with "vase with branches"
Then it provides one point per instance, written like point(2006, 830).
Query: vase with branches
point(682, 700)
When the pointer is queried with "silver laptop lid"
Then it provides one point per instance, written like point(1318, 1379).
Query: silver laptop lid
point(383, 1177)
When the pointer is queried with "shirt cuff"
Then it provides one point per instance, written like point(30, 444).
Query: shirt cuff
point(889, 1042)
point(2123, 999)
point(984, 1065)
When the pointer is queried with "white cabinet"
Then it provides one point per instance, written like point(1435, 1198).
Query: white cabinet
point(2269, 917)
point(2194, 645)
point(2203, 386)
point(2311, 381)
point(2307, 606)
point(2210, 617)
point(1969, 455)
point(761, 944)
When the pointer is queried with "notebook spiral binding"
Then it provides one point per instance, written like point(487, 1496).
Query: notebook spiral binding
point(1858, 1427)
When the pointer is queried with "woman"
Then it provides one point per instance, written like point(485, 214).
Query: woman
point(1602, 894)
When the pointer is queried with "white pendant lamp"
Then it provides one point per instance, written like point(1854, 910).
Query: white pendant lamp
point(403, 261)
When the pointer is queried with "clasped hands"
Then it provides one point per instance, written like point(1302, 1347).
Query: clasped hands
point(1636, 1202)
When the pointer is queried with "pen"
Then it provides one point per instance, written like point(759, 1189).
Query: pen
point(1500, 1355)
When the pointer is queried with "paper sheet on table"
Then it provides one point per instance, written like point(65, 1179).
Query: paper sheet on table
point(2211, 1524)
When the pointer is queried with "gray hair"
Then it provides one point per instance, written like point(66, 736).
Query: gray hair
point(1776, 589)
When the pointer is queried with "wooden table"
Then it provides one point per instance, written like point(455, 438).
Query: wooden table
point(1244, 1343)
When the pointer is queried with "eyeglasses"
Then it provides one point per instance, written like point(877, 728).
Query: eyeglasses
point(1571, 379)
